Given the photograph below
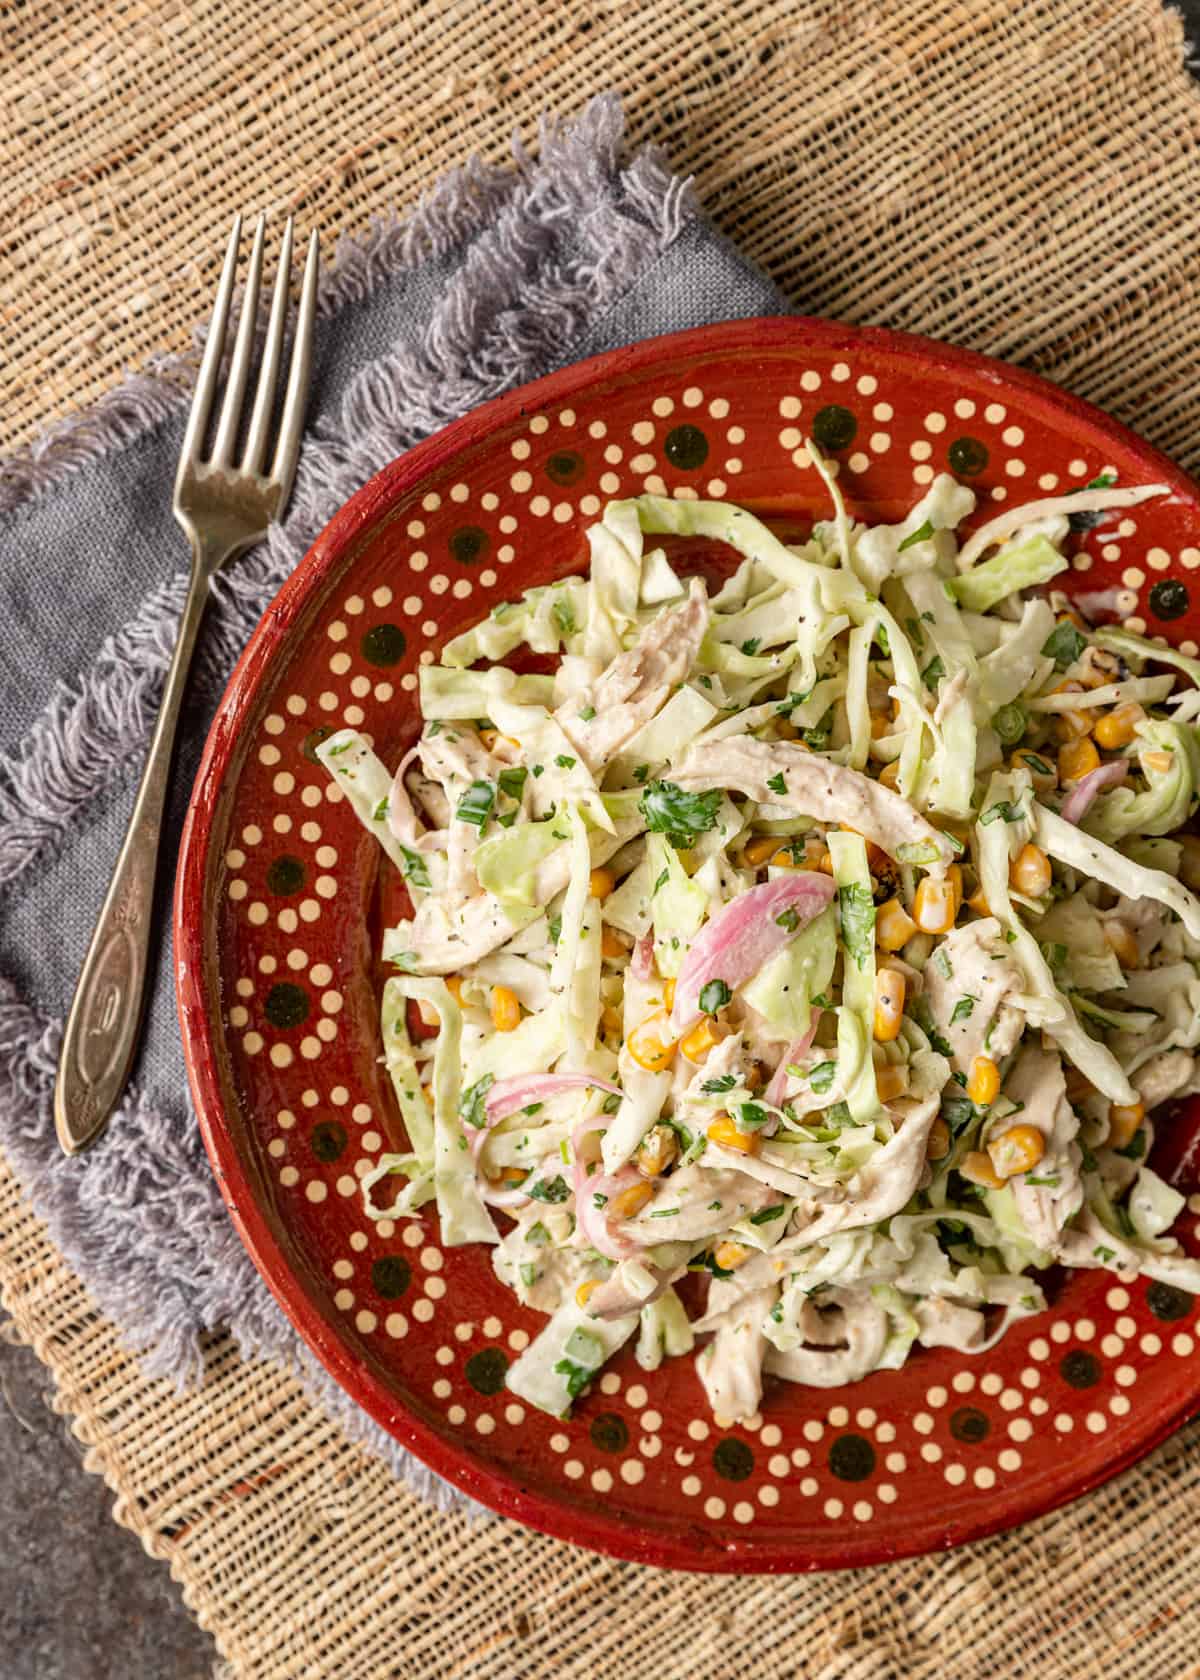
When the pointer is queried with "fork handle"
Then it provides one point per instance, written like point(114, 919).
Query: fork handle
point(104, 1024)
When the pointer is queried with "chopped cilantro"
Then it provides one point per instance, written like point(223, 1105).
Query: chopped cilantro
point(751, 646)
point(715, 1087)
point(1064, 645)
point(512, 782)
point(549, 1190)
point(789, 919)
point(963, 1009)
point(587, 713)
point(764, 1216)
point(414, 868)
point(472, 1105)
point(669, 810)
point(565, 761)
point(563, 614)
point(933, 672)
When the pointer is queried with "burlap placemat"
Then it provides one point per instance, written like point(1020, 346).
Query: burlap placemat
point(1021, 177)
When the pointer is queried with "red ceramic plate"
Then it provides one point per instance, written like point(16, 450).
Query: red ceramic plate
point(278, 915)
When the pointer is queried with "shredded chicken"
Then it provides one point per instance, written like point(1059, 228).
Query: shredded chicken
point(636, 683)
point(829, 792)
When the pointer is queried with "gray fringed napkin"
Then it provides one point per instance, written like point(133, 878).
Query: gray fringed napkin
point(500, 275)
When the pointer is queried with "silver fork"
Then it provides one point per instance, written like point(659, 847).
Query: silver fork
point(224, 509)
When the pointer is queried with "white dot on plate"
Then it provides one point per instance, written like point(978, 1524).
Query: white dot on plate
point(955, 1474)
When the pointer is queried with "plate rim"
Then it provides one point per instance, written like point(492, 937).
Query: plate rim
point(504, 1493)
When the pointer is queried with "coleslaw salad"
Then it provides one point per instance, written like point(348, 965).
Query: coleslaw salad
point(797, 966)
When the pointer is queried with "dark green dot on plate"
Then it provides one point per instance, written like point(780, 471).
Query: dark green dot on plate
point(1169, 599)
point(967, 457)
point(1080, 1368)
point(852, 1458)
point(384, 644)
point(969, 1424)
point(285, 876)
point(327, 1140)
point(686, 447)
point(834, 427)
point(286, 1005)
point(732, 1459)
point(313, 740)
point(486, 1370)
point(469, 544)
point(1168, 1303)
point(391, 1276)
point(609, 1432)
point(564, 467)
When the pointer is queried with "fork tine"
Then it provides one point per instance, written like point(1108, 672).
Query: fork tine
point(292, 423)
point(206, 379)
point(239, 367)
point(264, 396)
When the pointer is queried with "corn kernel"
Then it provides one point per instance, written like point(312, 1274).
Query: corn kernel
point(1116, 728)
point(586, 1290)
point(984, 1081)
point(889, 1004)
point(1030, 871)
point(506, 1011)
point(723, 1131)
point(786, 731)
point(631, 1200)
point(489, 737)
point(699, 1041)
point(891, 1081)
point(1077, 759)
point(1079, 1086)
point(784, 857)
point(508, 1176)
point(656, 1151)
point(668, 995)
point(1070, 616)
point(758, 851)
point(613, 945)
point(730, 1255)
point(650, 1043)
point(937, 1145)
point(601, 882)
point(1189, 862)
point(894, 927)
point(1161, 763)
point(881, 725)
point(427, 1093)
point(890, 775)
point(825, 863)
point(1124, 1122)
point(1040, 770)
point(1017, 1150)
point(612, 1020)
point(454, 985)
point(978, 903)
point(954, 880)
point(935, 905)
point(1097, 667)
point(1123, 943)
point(978, 1169)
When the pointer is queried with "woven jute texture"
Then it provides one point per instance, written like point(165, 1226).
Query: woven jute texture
point(1022, 177)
